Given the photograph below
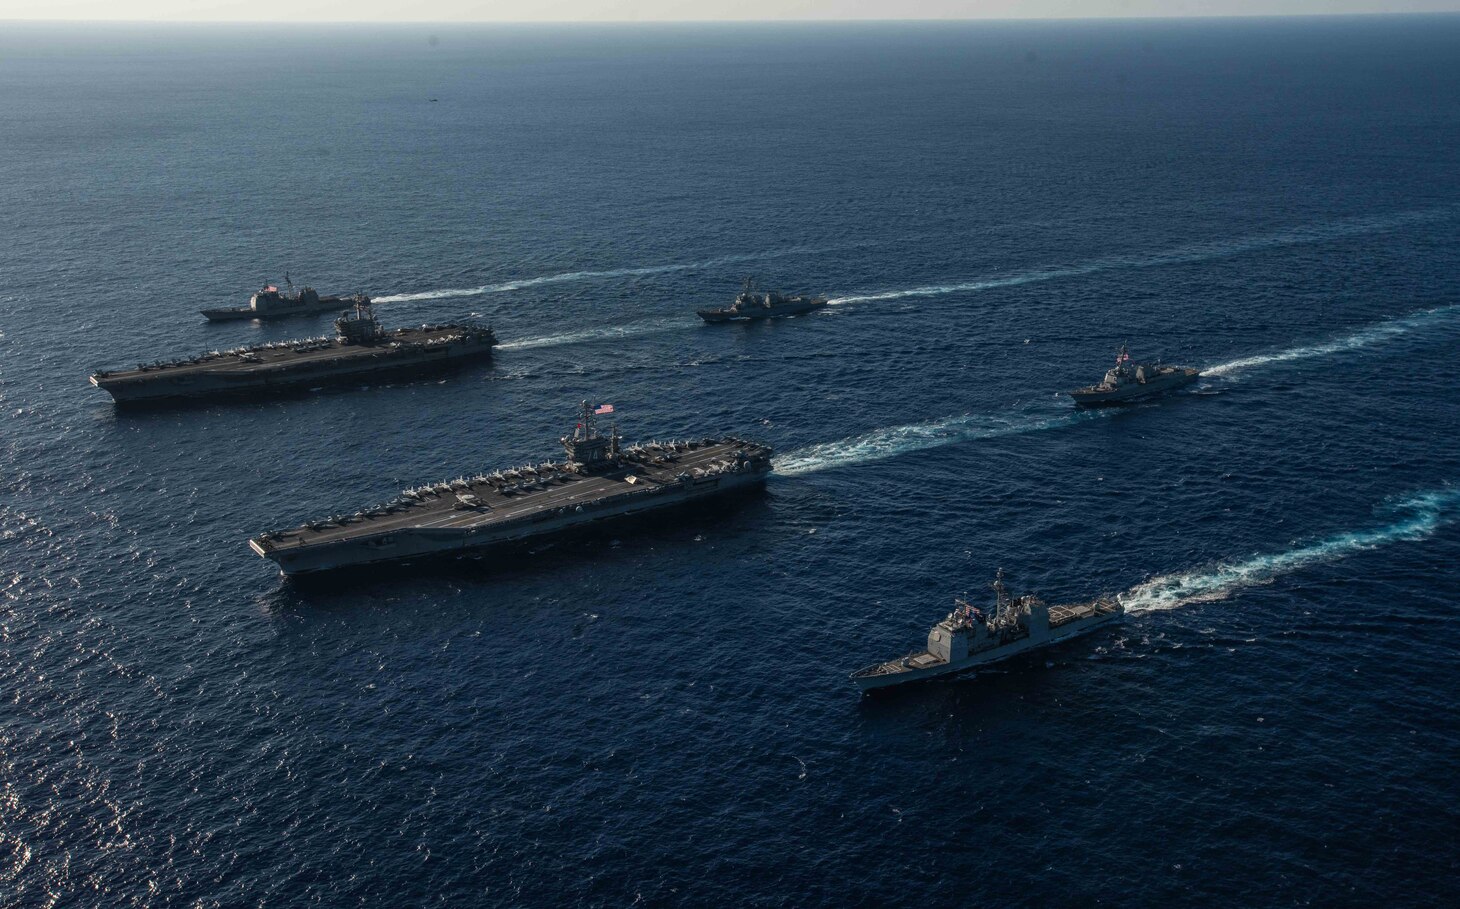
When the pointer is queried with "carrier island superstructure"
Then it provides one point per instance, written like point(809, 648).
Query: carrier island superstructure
point(970, 637)
point(600, 480)
point(360, 348)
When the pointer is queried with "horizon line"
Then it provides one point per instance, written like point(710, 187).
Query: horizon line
point(855, 20)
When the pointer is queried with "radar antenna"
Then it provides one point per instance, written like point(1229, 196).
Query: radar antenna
point(1001, 593)
point(1005, 611)
point(587, 424)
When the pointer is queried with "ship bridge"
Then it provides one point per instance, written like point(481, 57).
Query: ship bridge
point(589, 448)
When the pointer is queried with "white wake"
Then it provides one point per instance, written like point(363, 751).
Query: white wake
point(1366, 337)
point(589, 335)
point(1419, 517)
point(892, 441)
point(571, 276)
point(1200, 252)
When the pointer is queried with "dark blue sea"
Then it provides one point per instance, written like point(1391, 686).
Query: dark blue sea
point(661, 716)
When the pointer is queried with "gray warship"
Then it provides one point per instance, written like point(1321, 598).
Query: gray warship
point(272, 303)
point(750, 305)
point(360, 347)
point(1127, 382)
point(968, 638)
point(599, 481)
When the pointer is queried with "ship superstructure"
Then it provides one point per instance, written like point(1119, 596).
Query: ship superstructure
point(1126, 382)
point(270, 302)
point(750, 305)
point(969, 637)
point(600, 480)
point(360, 347)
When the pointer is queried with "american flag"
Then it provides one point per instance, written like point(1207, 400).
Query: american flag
point(604, 408)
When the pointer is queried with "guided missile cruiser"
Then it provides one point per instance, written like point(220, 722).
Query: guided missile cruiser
point(971, 637)
point(269, 302)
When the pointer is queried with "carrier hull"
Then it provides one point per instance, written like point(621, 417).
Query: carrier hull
point(263, 371)
point(474, 516)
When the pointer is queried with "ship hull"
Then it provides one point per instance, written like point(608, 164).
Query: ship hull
point(401, 546)
point(1134, 393)
point(237, 313)
point(162, 388)
point(725, 315)
point(987, 658)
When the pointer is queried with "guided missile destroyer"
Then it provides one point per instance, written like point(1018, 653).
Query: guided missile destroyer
point(750, 305)
point(272, 303)
point(360, 348)
point(1127, 382)
point(969, 638)
point(599, 481)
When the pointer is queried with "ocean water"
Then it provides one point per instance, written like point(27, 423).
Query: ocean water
point(663, 717)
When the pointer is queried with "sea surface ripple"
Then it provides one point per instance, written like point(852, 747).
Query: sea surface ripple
point(662, 716)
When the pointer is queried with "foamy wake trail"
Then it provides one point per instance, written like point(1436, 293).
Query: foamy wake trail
point(892, 441)
point(588, 335)
point(570, 276)
point(1373, 334)
point(881, 444)
point(1197, 253)
point(1418, 518)
point(938, 290)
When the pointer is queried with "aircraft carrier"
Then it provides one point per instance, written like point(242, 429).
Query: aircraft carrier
point(599, 481)
point(360, 348)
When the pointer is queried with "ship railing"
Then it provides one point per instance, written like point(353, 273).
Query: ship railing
point(888, 667)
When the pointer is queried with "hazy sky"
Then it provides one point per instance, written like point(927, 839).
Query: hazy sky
point(599, 10)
